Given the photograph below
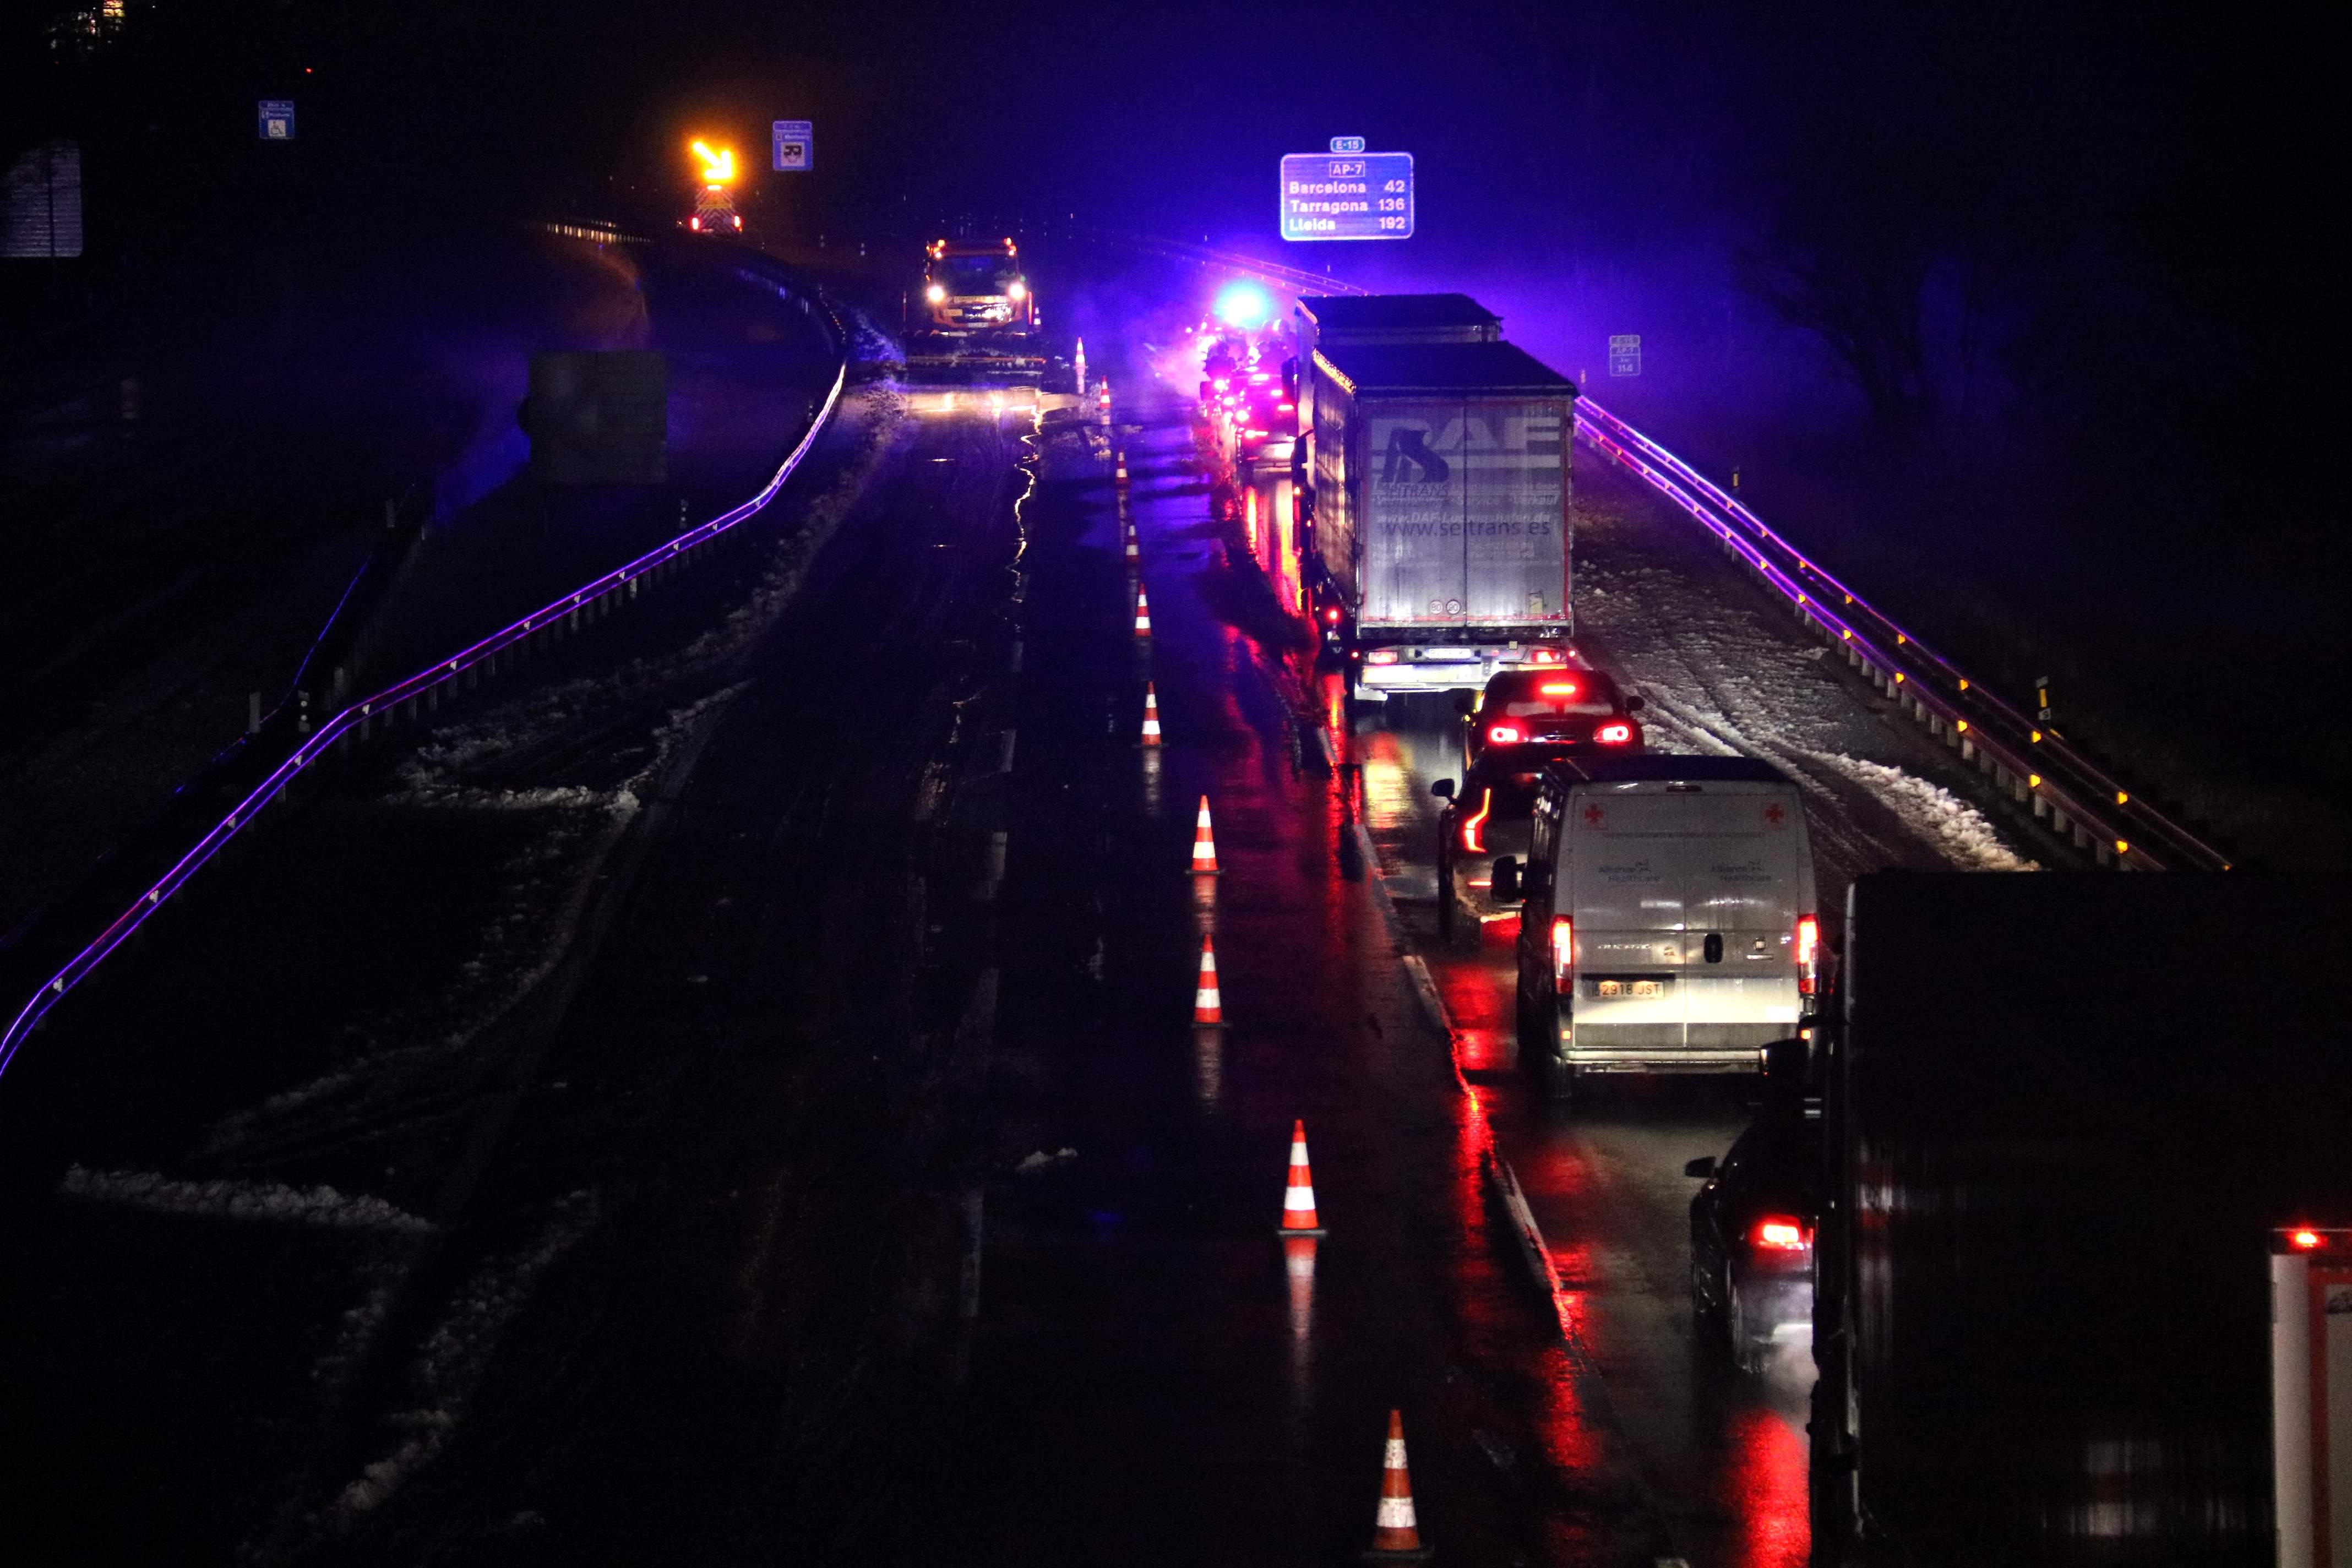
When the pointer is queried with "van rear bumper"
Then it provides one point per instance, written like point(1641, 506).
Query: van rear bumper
point(1660, 1060)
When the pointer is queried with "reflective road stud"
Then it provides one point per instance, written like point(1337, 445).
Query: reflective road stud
point(1142, 613)
point(1298, 1198)
point(1152, 718)
point(1208, 1007)
point(1204, 847)
point(1396, 1536)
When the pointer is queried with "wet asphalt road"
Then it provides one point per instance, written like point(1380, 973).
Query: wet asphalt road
point(900, 1213)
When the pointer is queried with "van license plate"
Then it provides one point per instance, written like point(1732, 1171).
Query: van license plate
point(1629, 987)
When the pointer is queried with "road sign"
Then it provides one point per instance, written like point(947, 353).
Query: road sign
point(276, 119)
point(1333, 196)
point(1625, 355)
point(1347, 143)
point(793, 143)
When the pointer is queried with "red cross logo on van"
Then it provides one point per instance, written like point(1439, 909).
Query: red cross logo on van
point(1592, 815)
point(1774, 814)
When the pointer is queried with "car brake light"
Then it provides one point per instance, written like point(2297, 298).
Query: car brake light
point(1380, 655)
point(1506, 735)
point(1809, 948)
point(1613, 734)
point(1474, 828)
point(2305, 1240)
point(1781, 1233)
point(1563, 948)
point(1558, 689)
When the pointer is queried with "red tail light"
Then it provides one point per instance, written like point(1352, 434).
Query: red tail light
point(1380, 655)
point(1563, 948)
point(1781, 1233)
point(1544, 655)
point(1614, 733)
point(2305, 1240)
point(1506, 735)
point(1809, 951)
point(1474, 827)
point(1332, 617)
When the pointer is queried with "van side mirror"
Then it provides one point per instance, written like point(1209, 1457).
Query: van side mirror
point(1504, 888)
point(1701, 1169)
point(1442, 789)
point(1634, 704)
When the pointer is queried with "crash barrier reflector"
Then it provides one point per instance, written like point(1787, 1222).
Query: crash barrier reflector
point(1204, 844)
point(1298, 1216)
point(1208, 1005)
point(1150, 715)
point(409, 695)
point(1396, 1533)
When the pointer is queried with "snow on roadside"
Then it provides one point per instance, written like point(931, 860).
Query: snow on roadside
point(322, 1206)
point(1963, 833)
point(449, 1366)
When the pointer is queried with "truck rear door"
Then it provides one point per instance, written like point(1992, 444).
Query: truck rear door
point(1624, 862)
point(1466, 507)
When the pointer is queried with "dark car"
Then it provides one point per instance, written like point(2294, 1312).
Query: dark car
point(1566, 710)
point(1491, 813)
point(1752, 1232)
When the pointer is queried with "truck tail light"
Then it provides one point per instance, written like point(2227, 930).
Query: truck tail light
point(1473, 826)
point(1780, 1233)
point(1545, 656)
point(1616, 733)
point(1332, 616)
point(1380, 655)
point(1809, 952)
point(1563, 948)
point(1506, 735)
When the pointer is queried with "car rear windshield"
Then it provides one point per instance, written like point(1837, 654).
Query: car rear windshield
point(1528, 694)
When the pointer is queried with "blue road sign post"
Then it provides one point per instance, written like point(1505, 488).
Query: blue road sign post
point(792, 143)
point(276, 119)
point(1625, 355)
point(1347, 196)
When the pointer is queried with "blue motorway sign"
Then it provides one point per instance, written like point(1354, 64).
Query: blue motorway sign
point(1347, 143)
point(1359, 195)
point(276, 119)
point(1625, 354)
point(793, 144)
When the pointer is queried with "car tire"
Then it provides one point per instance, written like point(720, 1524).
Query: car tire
point(1707, 1314)
point(1749, 1350)
point(1449, 918)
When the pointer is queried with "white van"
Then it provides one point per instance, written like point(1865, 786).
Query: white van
point(1668, 921)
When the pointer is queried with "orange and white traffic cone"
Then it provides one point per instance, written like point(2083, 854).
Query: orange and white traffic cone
point(1150, 715)
point(1121, 473)
point(1208, 1006)
point(1142, 613)
point(1298, 1197)
point(1134, 548)
point(1396, 1535)
point(1205, 847)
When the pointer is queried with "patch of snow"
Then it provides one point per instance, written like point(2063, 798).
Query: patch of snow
point(1958, 829)
point(320, 1207)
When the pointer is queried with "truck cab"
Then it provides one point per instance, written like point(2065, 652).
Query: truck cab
point(974, 289)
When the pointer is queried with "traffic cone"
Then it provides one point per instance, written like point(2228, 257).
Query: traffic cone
point(1134, 552)
point(1151, 716)
point(1208, 1007)
point(1204, 847)
point(1396, 1536)
point(1120, 475)
point(1298, 1198)
point(1142, 613)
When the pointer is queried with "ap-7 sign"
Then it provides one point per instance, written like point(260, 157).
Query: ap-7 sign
point(1355, 195)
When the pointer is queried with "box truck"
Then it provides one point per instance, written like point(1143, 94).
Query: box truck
point(2081, 1293)
point(1432, 475)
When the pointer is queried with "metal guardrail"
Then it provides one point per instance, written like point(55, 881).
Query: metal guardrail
point(2068, 791)
point(404, 696)
point(2073, 796)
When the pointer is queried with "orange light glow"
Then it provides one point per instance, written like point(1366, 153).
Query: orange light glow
point(717, 166)
point(2305, 1240)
